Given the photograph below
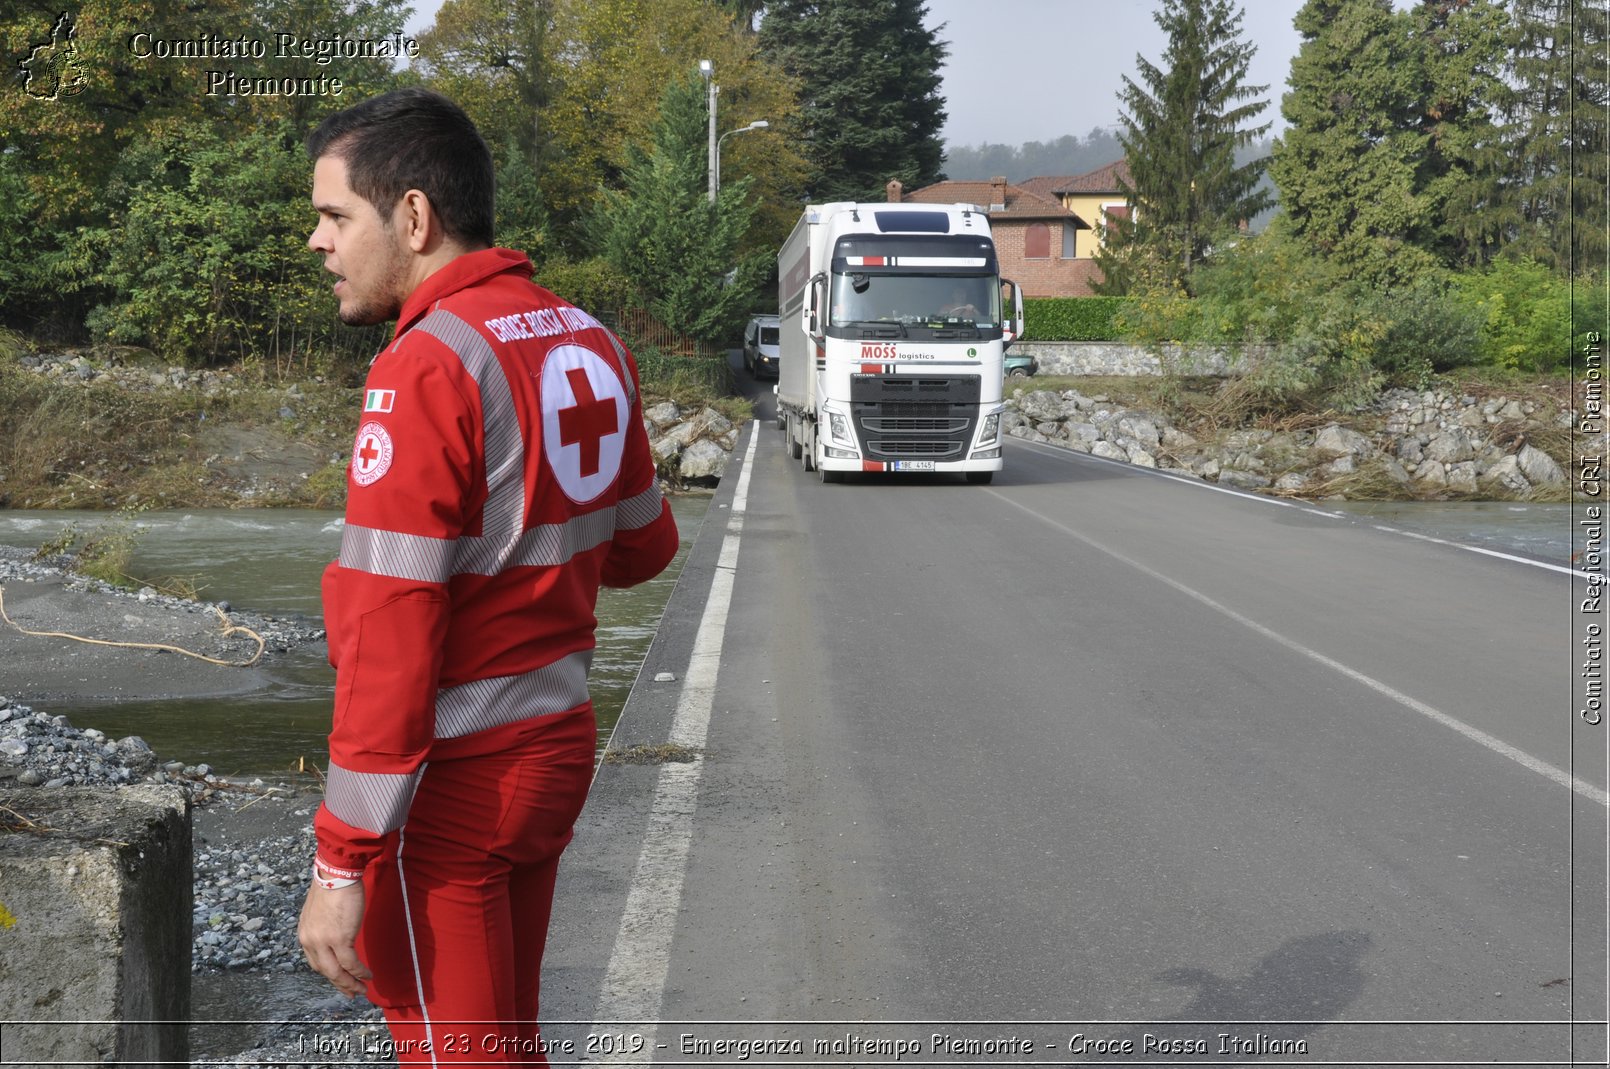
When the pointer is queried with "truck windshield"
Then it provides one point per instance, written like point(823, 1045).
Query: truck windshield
point(933, 300)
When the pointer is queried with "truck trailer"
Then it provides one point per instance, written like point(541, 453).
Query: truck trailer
point(893, 340)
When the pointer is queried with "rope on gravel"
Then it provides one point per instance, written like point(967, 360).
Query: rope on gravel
point(229, 629)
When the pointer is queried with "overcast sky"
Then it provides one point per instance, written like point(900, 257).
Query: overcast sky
point(1035, 70)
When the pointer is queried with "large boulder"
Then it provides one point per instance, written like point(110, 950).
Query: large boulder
point(1139, 426)
point(1043, 405)
point(1507, 474)
point(1245, 480)
point(1463, 477)
point(703, 459)
point(1539, 468)
point(663, 414)
point(1433, 472)
point(1453, 446)
point(1334, 440)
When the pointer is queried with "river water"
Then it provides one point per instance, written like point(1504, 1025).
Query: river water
point(270, 561)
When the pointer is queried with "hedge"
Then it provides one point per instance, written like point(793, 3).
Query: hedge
point(1072, 318)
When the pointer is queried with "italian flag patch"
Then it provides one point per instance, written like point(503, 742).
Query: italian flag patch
point(379, 400)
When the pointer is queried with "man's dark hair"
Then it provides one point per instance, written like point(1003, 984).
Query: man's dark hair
point(414, 139)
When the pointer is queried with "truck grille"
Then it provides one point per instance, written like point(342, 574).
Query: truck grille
point(910, 416)
point(903, 448)
point(910, 424)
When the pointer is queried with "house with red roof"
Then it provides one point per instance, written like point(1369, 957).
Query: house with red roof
point(1047, 230)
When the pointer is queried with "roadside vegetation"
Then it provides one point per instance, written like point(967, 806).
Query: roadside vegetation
point(245, 441)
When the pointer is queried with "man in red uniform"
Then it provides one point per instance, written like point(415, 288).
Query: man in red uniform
point(499, 475)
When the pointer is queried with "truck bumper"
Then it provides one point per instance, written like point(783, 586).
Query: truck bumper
point(827, 463)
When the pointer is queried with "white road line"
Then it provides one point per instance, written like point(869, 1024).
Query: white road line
point(1538, 765)
point(634, 983)
point(1200, 484)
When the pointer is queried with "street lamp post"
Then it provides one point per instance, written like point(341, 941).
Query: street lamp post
point(708, 69)
point(715, 170)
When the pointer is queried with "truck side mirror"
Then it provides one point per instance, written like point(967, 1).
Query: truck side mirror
point(1011, 330)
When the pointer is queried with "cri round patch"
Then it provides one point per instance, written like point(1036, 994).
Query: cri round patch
point(584, 420)
point(371, 453)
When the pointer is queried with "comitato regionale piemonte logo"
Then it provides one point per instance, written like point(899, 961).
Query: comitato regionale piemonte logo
point(53, 67)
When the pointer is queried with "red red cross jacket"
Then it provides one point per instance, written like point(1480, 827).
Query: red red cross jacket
point(500, 473)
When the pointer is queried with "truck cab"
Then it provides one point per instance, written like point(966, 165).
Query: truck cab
point(895, 326)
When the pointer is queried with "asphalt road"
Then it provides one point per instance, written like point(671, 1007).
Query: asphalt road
point(1091, 752)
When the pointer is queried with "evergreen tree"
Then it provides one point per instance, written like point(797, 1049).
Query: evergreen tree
point(662, 231)
point(1392, 162)
point(1459, 51)
point(1180, 134)
point(1554, 112)
point(868, 74)
point(1347, 166)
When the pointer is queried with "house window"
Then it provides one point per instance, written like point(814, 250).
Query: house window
point(1037, 242)
point(1070, 241)
point(1113, 210)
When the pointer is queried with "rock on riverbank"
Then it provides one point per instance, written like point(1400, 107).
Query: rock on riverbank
point(1428, 445)
point(691, 446)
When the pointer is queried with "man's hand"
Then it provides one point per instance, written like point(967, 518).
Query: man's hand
point(327, 932)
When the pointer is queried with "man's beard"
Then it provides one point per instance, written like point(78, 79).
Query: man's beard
point(367, 315)
point(386, 305)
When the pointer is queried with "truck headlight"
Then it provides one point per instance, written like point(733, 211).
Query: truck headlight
point(992, 429)
point(839, 428)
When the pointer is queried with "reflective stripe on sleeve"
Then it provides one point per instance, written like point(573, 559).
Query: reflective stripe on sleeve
point(639, 510)
point(432, 560)
point(373, 801)
point(556, 543)
point(401, 556)
point(485, 703)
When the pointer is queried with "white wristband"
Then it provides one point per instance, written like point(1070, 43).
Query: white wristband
point(330, 883)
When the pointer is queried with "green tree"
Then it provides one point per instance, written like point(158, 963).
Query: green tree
point(1459, 51)
point(497, 60)
point(79, 156)
point(662, 231)
point(1184, 122)
point(1555, 129)
point(608, 64)
point(1391, 161)
point(1346, 167)
point(204, 258)
point(871, 109)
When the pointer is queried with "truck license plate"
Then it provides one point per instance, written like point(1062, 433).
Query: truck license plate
point(913, 465)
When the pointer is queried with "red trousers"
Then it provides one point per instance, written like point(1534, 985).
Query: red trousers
point(456, 909)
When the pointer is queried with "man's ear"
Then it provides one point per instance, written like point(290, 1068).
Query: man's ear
point(416, 218)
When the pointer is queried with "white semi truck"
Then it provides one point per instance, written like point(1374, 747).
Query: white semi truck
point(893, 340)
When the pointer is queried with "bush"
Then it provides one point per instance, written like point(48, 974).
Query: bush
point(1525, 314)
point(1072, 318)
point(591, 285)
point(1423, 328)
point(669, 375)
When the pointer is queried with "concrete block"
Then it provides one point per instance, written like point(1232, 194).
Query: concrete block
point(95, 902)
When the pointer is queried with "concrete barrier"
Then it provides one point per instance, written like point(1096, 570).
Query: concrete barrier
point(95, 901)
